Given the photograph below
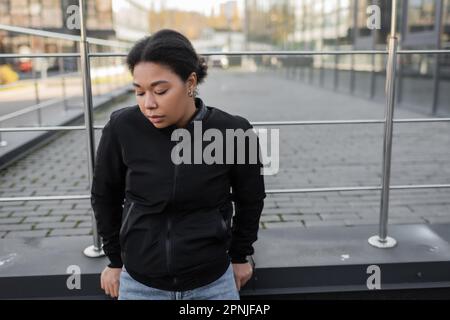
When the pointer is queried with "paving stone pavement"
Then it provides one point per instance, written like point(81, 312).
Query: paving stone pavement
point(310, 157)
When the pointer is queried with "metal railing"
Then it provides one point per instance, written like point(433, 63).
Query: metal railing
point(96, 249)
point(381, 240)
point(38, 106)
point(65, 36)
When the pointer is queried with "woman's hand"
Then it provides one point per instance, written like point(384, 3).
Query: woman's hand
point(242, 273)
point(110, 281)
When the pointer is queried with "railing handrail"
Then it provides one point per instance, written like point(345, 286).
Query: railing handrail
point(229, 53)
point(40, 55)
point(32, 80)
point(334, 122)
point(37, 106)
point(43, 128)
point(381, 240)
point(424, 51)
point(64, 36)
point(254, 123)
point(41, 105)
point(209, 53)
point(269, 191)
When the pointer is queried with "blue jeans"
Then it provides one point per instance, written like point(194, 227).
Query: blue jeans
point(223, 288)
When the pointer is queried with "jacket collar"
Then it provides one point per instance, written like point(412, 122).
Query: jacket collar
point(200, 112)
point(199, 115)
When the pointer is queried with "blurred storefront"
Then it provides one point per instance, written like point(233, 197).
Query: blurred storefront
point(125, 20)
point(424, 81)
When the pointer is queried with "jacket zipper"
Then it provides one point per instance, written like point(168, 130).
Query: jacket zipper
point(168, 250)
point(168, 244)
point(126, 216)
point(169, 225)
point(224, 224)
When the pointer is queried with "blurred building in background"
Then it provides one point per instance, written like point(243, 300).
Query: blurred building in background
point(125, 20)
point(424, 81)
point(192, 23)
point(219, 30)
point(235, 25)
point(130, 19)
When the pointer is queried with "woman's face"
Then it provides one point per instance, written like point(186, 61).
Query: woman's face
point(161, 94)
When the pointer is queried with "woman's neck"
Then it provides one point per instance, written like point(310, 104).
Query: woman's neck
point(188, 115)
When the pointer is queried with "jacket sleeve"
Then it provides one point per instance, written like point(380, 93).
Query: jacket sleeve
point(248, 193)
point(108, 192)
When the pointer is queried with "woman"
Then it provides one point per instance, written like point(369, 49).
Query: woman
point(165, 224)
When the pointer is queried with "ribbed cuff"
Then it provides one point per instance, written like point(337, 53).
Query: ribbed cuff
point(239, 259)
point(115, 261)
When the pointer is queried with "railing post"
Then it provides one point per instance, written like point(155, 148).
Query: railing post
point(110, 77)
point(39, 116)
point(436, 70)
point(96, 249)
point(337, 46)
point(36, 91)
point(3, 143)
point(382, 240)
point(36, 96)
point(63, 82)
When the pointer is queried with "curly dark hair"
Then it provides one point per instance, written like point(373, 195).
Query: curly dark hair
point(172, 49)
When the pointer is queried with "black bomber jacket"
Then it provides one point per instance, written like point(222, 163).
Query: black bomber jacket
point(172, 225)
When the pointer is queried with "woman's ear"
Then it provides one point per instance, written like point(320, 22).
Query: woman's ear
point(192, 80)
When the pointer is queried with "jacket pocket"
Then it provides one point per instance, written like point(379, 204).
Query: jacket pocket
point(224, 230)
point(226, 214)
point(201, 237)
point(140, 240)
point(125, 219)
point(224, 224)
